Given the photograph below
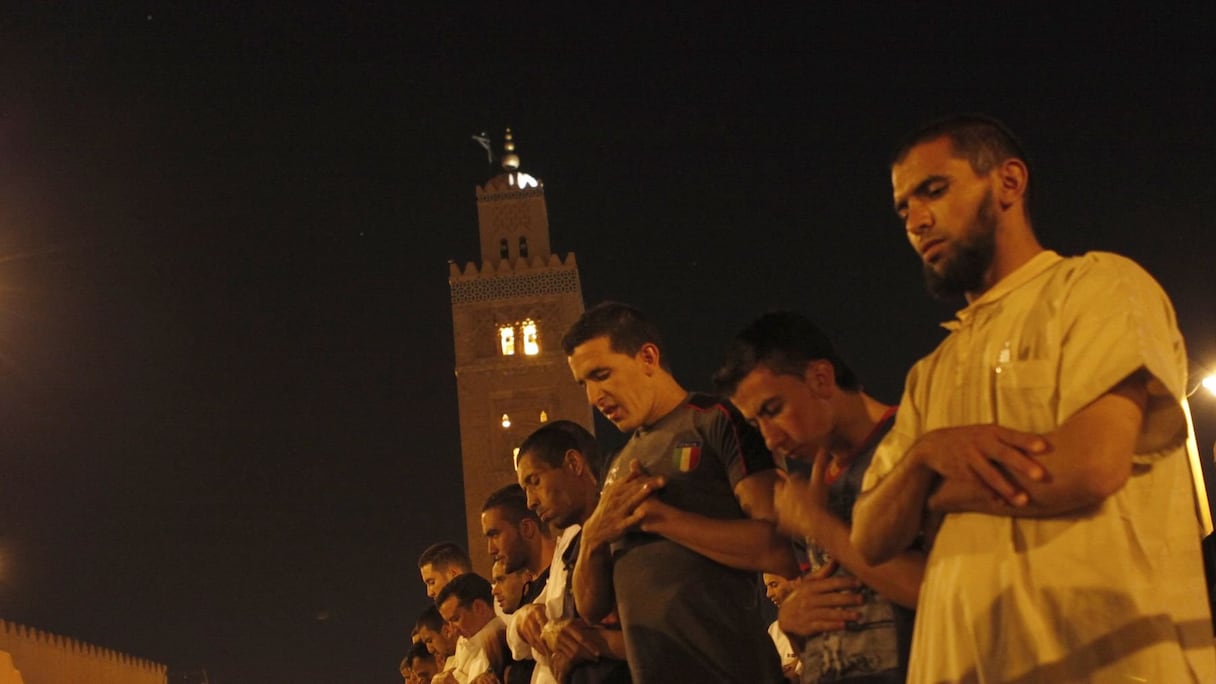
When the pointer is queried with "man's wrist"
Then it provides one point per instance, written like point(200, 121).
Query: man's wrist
point(592, 539)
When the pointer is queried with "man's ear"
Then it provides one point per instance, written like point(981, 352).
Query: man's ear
point(527, 528)
point(574, 461)
point(1012, 179)
point(820, 376)
point(650, 356)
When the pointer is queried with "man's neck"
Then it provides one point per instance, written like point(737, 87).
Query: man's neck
point(489, 619)
point(858, 413)
point(1015, 246)
point(543, 557)
point(668, 396)
point(591, 499)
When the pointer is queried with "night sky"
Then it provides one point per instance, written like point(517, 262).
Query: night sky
point(229, 421)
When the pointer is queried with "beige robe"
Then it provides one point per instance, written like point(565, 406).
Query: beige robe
point(1109, 594)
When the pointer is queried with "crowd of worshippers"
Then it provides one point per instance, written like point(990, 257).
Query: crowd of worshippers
point(1027, 513)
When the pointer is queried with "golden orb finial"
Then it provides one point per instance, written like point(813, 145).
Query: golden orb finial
point(510, 160)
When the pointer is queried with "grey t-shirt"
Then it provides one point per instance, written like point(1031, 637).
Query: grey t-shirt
point(873, 648)
point(685, 617)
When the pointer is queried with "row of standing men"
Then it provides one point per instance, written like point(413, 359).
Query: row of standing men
point(1027, 513)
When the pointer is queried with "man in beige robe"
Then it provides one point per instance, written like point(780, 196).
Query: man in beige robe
point(1042, 447)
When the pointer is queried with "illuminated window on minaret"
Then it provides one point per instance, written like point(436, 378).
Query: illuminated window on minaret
point(531, 340)
point(506, 337)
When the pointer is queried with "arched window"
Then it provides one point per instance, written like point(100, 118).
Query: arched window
point(523, 247)
point(502, 249)
point(506, 339)
point(531, 338)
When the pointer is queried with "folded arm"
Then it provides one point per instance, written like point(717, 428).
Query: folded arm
point(751, 543)
point(1089, 458)
point(990, 469)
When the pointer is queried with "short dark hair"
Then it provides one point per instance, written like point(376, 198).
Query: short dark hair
point(784, 342)
point(552, 440)
point(467, 588)
point(625, 326)
point(430, 618)
point(419, 651)
point(982, 140)
point(445, 555)
point(513, 503)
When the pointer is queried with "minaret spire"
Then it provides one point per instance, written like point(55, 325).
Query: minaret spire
point(510, 160)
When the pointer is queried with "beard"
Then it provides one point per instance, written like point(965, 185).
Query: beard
point(963, 269)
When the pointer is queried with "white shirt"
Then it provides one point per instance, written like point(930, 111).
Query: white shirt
point(557, 606)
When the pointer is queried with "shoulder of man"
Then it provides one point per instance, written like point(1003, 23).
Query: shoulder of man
point(737, 440)
point(1099, 267)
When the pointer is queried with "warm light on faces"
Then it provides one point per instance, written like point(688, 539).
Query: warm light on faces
point(437, 643)
point(465, 619)
point(794, 414)
point(424, 670)
point(777, 588)
point(503, 540)
point(507, 587)
point(618, 385)
point(548, 489)
point(937, 195)
point(434, 580)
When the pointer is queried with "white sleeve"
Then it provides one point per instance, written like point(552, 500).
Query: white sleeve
point(520, 650)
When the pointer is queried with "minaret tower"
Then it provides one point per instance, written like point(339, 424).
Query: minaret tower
point(508, 316)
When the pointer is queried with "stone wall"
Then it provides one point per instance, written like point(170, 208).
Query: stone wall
point(45, 658)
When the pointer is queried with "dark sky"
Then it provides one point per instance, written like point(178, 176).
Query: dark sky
point(228, 414)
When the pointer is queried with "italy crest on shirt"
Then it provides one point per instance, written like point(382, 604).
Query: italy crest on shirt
point(687, 456)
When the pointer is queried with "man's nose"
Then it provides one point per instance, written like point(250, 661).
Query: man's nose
point(594, 393)
point(772, 436)
point(919, 218)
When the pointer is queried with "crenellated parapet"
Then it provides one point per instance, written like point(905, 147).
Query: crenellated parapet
point(509, 186)
point(500, 268)
point(47, 657)
point(507, 279)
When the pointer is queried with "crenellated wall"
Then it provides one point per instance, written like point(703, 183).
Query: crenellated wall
point(505, 267)
point(46, 658)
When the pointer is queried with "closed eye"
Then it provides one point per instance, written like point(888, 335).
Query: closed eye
point(930, 188)
point(770, 408)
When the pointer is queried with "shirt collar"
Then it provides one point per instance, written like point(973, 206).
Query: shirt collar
point(1024, 274)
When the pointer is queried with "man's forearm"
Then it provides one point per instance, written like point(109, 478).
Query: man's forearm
point(744, 544)
point(1064, 493)
point(614, 642)
point(887, 519)
point(1089, 459)
point(898, 579)
point(592, 581)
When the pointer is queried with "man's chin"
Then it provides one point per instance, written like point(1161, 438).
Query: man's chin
point(624, 424)
point(801, 454)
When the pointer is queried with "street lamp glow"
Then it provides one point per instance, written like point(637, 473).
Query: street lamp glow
point(1209, 383)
